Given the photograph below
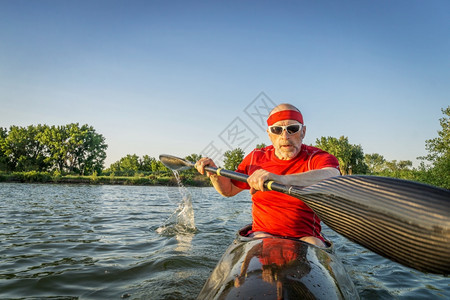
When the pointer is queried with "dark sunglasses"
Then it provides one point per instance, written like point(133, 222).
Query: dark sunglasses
point(290, 129)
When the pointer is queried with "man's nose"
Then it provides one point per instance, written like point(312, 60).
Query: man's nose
point(284, 133)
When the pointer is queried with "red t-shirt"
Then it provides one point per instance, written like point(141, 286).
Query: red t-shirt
point(277, 213)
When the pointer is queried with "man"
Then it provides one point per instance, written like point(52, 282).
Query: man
point(286, 161)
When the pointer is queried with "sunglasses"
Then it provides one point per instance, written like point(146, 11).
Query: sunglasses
point(290, 129)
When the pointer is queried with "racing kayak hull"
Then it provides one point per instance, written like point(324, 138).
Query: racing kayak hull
point(277, 268)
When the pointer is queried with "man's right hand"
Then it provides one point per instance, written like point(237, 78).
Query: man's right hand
point(202, 163)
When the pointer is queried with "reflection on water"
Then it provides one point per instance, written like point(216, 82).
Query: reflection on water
point(184, 242)
point(274, 256)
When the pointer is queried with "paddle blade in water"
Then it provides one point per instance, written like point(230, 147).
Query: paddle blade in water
point(175, 163)
point(405, 221)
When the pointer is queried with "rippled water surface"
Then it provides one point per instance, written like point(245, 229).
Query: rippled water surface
point(103, 242)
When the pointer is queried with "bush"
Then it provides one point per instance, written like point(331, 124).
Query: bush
point(165, 180)
point(138, 181)
point(56, 175)
point(32, 176)
point(3, 177)
point(94, 177)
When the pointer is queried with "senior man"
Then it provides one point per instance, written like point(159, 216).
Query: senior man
point(287, 161)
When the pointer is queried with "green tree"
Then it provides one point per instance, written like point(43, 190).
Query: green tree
point(68, 148)
point(85, 149)
point(3, 157)
point(14, 146)
point(375, 162)
point(158, 167)
point(438, 155)
point(233, 158)
point(398, 169)
point(146, 163)
point(74, 144)
point(260, 146)
point(350, 157)
point(36, 150)
point(74, 149)
point(129, 165)
point(193, 157)
point(22, 150)
point(54, 138)
point(92, 154)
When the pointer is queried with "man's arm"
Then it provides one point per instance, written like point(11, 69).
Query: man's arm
point(309, 177)
point(257, 179)
point(223, 185)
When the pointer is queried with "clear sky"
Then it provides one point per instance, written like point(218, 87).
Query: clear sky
point(183, 77)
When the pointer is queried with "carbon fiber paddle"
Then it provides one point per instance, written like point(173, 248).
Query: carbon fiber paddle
point(405, 221)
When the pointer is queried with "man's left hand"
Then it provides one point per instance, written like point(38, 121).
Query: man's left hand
point(257, 179)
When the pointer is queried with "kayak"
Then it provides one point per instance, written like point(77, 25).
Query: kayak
point(277, 268)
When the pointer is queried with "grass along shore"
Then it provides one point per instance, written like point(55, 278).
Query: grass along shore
point(151, 180)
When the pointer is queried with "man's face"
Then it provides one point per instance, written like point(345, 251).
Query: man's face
point(286, 145)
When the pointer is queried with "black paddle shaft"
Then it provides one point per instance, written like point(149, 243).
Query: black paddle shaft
point(270, 185)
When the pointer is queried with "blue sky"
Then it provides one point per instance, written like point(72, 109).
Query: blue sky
point(178, 77)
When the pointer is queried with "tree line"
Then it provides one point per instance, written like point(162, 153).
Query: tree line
point(80, 150)
point(132, 165)
point(68, 148)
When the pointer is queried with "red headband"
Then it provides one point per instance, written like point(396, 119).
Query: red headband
point(284, 115)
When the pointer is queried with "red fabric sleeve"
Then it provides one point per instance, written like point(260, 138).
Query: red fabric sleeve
point(322, 160)
point(242, 168)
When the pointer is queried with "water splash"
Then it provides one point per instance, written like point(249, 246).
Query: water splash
point(182, 220)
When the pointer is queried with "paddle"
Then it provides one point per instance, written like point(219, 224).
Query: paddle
point(405, 221)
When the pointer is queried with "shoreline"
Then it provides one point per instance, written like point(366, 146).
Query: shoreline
point(152, 180)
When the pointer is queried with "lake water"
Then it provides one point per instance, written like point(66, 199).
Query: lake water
point(115, 242)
